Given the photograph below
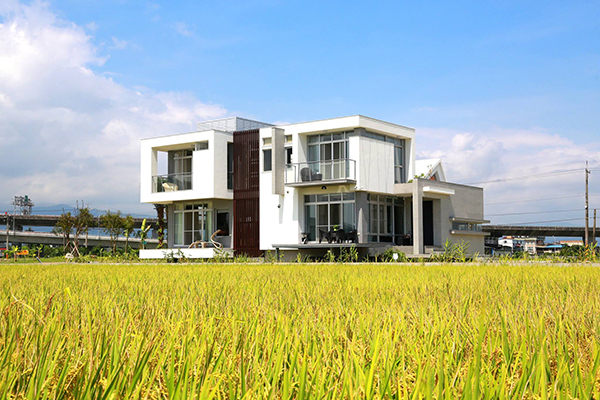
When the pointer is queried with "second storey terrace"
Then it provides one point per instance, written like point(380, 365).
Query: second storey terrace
point(369, 154)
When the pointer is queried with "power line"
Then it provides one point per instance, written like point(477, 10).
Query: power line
point(543, 222)
point(542, 167)
point(539, 199)
point(525, 177)
point(533, 212)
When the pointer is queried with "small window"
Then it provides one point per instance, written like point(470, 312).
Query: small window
point(229, 166)
point(288, 155)
point(267, 141)
point(288, 138)
point(267, 159)
point(202, 145)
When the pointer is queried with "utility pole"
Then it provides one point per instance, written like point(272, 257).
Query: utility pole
point(6, 214)
point(587, 216)
point(594, 229)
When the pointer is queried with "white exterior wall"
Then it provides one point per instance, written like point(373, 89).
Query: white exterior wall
point(219, 169)
point(375, 169)
point(279, 214)
point(282, 216)
point(209, 167)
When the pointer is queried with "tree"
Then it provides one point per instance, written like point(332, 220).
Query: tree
point(12, 252)
point(82, 222)
point(144, 233)
point(160, 212)
point(64, 226)
point(113, 224)
point(127, 229)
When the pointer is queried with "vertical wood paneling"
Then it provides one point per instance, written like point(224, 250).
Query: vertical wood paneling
point(246, 195)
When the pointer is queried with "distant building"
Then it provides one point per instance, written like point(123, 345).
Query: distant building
point(520, 243)
point(570, 242)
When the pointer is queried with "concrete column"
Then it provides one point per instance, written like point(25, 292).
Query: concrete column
point(417, 212)
point(171, 162)
point(407, 228)
point(169, 215)
point(278, 161)
point(362, 211)
point(153, 162)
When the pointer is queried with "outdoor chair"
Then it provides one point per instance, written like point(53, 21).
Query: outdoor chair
point(352, 236)
point(327, 235)
point(340, 236)
point(170, 187)
point(307, 175)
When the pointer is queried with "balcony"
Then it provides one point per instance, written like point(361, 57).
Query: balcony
point(172, 182)
point(319, 172)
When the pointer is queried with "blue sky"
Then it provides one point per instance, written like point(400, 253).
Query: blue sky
point(452, 64)
point(498, 89)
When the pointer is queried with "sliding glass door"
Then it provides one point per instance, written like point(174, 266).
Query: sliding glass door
point(192, 222)
point(326, 212)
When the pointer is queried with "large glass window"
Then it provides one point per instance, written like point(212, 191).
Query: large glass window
point(466, 226)
point(192, 222)
point(324, 212)
point(386, 219)
point(398, 159)
point(327, 154)
point(182, 162)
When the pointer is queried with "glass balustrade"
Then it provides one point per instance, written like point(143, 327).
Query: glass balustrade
point(171, 182)
point(321, 171)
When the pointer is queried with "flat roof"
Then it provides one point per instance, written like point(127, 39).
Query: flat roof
point(350, 116)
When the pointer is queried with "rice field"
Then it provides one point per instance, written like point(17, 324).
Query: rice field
point(299, 331)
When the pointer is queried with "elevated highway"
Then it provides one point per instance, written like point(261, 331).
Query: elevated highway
point(18, 238)
point(535, 231)
point(51, 220)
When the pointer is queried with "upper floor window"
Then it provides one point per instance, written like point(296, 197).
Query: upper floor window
point(466, 226)
point(330, 146)
point(202, 145)
point(267, 156)
point(181, 162)
point(229, 165)
point(398, 161)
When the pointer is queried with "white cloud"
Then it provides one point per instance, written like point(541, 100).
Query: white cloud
point(496, 159)
point(91, 26)
point(183, 29)
point(118, 44)
point(67, 132)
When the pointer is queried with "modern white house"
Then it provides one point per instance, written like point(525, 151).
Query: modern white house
point(250, 187)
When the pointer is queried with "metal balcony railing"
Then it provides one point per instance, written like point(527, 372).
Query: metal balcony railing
point(171, 182)
point(321, 171)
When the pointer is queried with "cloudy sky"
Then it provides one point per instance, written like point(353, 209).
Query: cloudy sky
point(502, 91)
